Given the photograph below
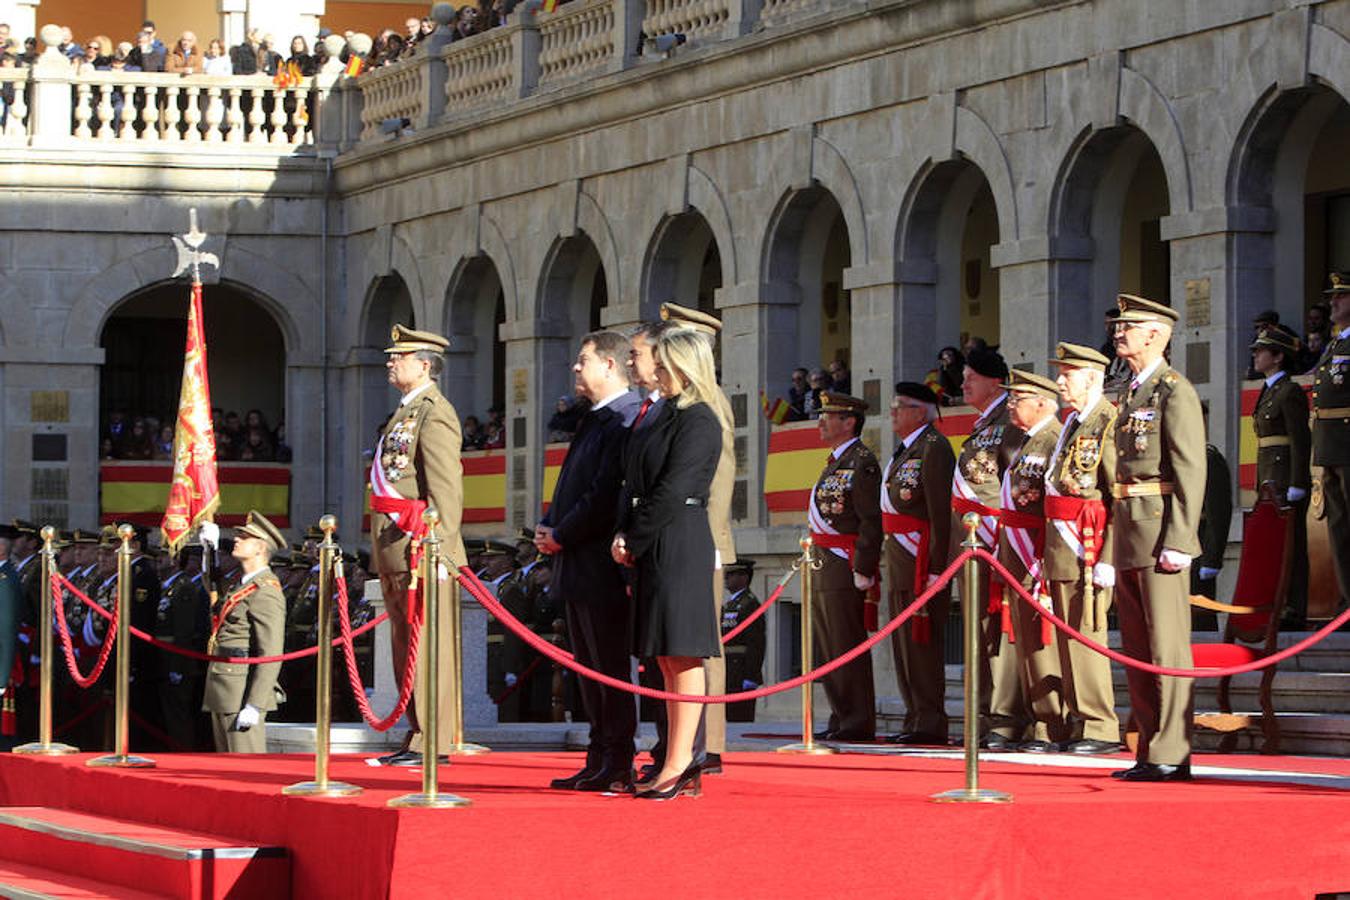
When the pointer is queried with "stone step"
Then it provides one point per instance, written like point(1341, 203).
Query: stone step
point(140, 857)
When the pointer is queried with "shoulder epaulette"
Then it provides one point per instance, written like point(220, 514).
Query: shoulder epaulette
point(1170, 378)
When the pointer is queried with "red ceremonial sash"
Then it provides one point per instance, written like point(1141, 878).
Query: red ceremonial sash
point(1088, 515)
point(899, 523)
point(836, 542)
point(225, 609)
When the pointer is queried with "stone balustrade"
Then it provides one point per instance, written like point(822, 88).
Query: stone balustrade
point(392, 92)
point(13, 105)
point(697, 20)
point(482, 70)
point(576, 41)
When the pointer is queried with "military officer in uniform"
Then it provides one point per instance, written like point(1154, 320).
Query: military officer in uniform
point(1033, 401)
point(1160, 484)
point(180, 602)
point(250, 621)
point(976, 482)
point(745, 652)
point(1078, 550)
point(417, 466)
point(916, 517)
point(1331, 430)
point(845, 519)
point(10, 602)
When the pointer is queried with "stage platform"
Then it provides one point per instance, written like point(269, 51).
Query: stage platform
point(849, 825)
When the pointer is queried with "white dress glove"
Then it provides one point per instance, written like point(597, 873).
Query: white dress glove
point(748, 685)
point(863, 582)
point(1173, 560)
point(1295, 494)
point(247, 718)
point(209, 534)
point(1208, 574)
point(1104, 575)
point(932, 580)
point(510, 679)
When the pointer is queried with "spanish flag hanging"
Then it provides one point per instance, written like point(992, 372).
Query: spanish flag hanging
point(194, 492)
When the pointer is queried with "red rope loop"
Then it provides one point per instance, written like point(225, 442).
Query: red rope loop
point(1262, 663)
point(405, 687)
point(480, 593)
point(58, 586)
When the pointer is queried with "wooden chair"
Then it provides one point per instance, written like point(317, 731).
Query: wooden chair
point(1253, 627)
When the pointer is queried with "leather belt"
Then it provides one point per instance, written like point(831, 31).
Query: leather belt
point(1141, 489)
point(496, 638)
point(1272, 440)
point(635, 502)
point(733, 650)
point(1335, 412)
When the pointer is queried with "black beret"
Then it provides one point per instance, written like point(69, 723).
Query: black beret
point(916, 391)
point(988, 363)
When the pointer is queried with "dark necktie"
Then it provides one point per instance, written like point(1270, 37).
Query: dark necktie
point(642, 411)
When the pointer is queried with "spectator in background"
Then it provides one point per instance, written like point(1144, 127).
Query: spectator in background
point(841, 379)
point(164, 443)
point(425, 28)
point(186, 58)
point(566, 418)
point(300, 64)
point(105, 449)
point(7, 61)
point(257, 446)
point(145, 58)
point(148, 26)
point(283, 450)
point(30, 52)
point(945, 380)
point(7, 44)
point(268, 60)
point(1318, 325)
point(413, 28)
point(121, 56)
point(466, 23)
point(217, 61)
point(232, 429)
point(138, 442)
point(818, 381)
point(493, 13)
point(244, 57)
point(97, 53)
point(797, 395)
point(974, 343)
point(68, 48)
point(494, 436)
point(472, 434)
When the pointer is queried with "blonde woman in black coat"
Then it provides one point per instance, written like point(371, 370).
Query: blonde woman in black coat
point(664, 534)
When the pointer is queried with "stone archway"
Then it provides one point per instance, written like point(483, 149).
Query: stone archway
point(573, 293)
point(475, 364)
point(683, 265)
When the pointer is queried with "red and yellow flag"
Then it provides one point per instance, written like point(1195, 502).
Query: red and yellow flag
point(194, 492)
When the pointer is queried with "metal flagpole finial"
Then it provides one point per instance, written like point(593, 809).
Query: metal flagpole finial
point(190, 255)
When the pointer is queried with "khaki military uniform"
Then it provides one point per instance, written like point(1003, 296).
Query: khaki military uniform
point(985, 456)
point(419, 453)
point(1160, 485)
point(844, 507)
point(916, 491)
point(1331, 451)
point(252, 622)
point(1082, 472)
point(1283, 455)
point(719, 520)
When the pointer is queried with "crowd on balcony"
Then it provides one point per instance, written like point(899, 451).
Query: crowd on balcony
point(246, 439)
point(487, 433)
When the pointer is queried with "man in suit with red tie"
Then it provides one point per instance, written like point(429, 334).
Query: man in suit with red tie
point(845, 518)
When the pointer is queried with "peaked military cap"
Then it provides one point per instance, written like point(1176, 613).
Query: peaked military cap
point(740, 565)
point(1340, 283)
point(81, 536)
point(1020, 382)
point(108, 537)
point(1266, 317)
point(989, 363)
point(833, 402)
point(405, 340)
point(1138, 309)
point(1077, 356)
point(23, 526)
point(257, 526)
point(9, 532)
point(1277, 338)
point(498, 548)
point(690, 318)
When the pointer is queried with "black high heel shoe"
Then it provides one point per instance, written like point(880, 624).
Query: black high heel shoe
point(690, 782)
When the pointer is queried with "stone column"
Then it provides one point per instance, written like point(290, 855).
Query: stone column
point(873, 294)
point(49, 109)
point(628, 15)
point(21, 16)
point(1026, 318)
point(232, 16)
point(531, 348)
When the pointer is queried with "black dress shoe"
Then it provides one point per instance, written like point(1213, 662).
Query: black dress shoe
point(690, 782)
point(402, 758)
point(997, 742)
point(1036, 746)
point(571, 781)
point(851, 735)
point(605, 779)
point(1158, 772)
point(711, 764)
point(822, 734)
point(1121, 773)
point(918, 739)
point(1091, 747)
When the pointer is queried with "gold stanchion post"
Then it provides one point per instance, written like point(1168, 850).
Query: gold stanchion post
point(458, 747)
point(323, 679)
point(43, 746)
point(807, 564)
point(429, 689)
point(120, 758)
point(970, 621)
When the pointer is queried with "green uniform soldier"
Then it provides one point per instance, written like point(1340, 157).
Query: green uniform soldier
point(1078, 550)
point(1160, 483)
point(1284, 451)
point(845, 519)
point(250, 621)
point(1331, 430)
point(745, 652)
point(916, 517)
point(1033, 401)
point(976, 482)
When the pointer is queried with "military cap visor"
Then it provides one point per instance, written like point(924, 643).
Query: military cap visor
point(1276, 339)
point(405, 340)
point(831, 402)
point(1077, 356)
point(257, 526)
point(22, 526)
point(746, 566)
point(1138, 309)
point(1020, 382)
point(1340, 283)
point(690, 318)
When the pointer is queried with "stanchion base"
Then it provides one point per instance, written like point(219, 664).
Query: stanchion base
point(327, 789)
point(114, 761)
point(468, 750)
point(812, 749)
point(429, 801)
point(37, 748)
point(978, 795)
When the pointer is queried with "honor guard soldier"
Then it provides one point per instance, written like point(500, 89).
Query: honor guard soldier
point(1078, 551)
point(745, 652)
point(1160, 484)
point(1033, 401)
point(10, 603)
point(181, 601)
point(417, 467)
point(916, 516)
point(845, 520)
point(249, 622)
point(28, 566)
point(1331, 430)
point(145, 658)
point(976, 481)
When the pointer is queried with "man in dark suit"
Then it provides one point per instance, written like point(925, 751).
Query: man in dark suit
point(576, 531)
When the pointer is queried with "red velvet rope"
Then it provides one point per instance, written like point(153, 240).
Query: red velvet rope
point(480, 593)
point(1262, 663)
point(405, 688)
point(236, 660)
point(58, 582)
point(763, 607)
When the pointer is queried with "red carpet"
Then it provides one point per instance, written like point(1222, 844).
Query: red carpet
point(773, 825)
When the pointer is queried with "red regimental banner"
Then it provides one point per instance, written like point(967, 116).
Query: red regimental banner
point(194, 492)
